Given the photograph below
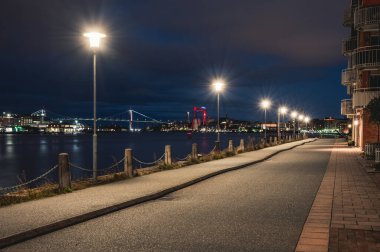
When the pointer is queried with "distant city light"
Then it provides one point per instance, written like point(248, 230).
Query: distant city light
point(301, 117)
point(307, 119)
point(94, 38)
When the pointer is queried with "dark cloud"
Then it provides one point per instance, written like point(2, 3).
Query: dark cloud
point(160, 55)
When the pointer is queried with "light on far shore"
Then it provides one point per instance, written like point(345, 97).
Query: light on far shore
point(301, 117)
point(94, 38)
point(307, 119)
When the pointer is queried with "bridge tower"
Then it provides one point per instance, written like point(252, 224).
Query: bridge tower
point(130, 120)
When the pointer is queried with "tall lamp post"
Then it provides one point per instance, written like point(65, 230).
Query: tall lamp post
point(94, 38)
point(294, 116)
point(265, 104)
point(281, 111)
point(218, 86)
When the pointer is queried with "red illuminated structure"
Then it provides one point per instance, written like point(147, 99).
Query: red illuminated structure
point(196, 121)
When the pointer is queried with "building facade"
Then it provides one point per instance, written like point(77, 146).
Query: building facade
point(362, 75)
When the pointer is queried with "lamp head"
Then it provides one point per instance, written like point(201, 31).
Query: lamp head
point(94, 38)
point(218, 85)
point(294, 114)
point(265, 104)
point(283, 110)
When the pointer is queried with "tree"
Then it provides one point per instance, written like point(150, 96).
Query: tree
point(374, 110)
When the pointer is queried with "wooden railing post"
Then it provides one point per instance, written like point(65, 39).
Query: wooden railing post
point(168, 155)
point(64, 171)
point(128, 163)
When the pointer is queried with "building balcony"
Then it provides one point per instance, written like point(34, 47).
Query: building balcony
point(348, 17)
point(348, 76)
point(366, 57)
point(349, 45)
point(362, 96)
point(346, 108)
point(367, 18)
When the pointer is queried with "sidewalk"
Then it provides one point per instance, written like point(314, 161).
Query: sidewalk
point(26, 220)
point(345, 215)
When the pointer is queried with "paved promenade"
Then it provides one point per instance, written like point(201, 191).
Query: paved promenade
point(345, 215)
point(19, 218)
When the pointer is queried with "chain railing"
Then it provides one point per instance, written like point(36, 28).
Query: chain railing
point(183, 159)
point(148, 163)
point(16, 187)
point(99, 170)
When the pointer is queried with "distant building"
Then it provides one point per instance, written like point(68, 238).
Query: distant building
point(64, 128)
point(362, 76)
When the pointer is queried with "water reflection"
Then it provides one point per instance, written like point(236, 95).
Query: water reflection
point(38, 153)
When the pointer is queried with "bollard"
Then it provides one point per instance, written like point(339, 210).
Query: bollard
point(168, 155)
point(262, 143)
point(251, 145)
point(241, 146)
point(275, 141)
point(128, 165)
point(217, 146)
point(270, 141)
point(230, 146)
point(194, 151)
point(64, 171)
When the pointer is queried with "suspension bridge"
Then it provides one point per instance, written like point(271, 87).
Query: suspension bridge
point(130, 116)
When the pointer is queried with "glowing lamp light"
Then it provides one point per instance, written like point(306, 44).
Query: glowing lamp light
point(301, 117)
point(307, 119)
point(218, 85)
point(265, 104)
point(94, 38)
point(356, 122)
point(350, 126)
point(283, 110)
point(294, 114)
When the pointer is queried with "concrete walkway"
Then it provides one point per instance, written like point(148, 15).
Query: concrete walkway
point(345, 215)
point(41, 216)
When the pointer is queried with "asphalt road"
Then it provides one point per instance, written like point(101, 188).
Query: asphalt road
point(259, 208)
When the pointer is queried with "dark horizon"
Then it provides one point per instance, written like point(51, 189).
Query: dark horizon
point(159, 58)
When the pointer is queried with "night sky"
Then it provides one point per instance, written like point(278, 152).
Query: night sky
point(160, 56)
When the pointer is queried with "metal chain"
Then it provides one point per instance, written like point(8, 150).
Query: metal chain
point(80, 168)
point(211, 151)
point(148, 163)
point(183, 159)
point(29, 182)
point(105, 169)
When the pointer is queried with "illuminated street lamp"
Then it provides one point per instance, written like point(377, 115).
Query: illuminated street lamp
point(294, 116)
point(94, 39)
point(300, 120)
point(218, 86)
point(265, 104)
point(281, 111)
point(307, 120)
